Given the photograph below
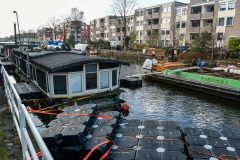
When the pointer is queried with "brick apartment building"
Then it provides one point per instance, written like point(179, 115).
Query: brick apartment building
point(175, 22)
point(81, 32)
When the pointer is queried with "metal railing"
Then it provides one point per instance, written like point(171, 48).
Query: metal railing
point(20, 116)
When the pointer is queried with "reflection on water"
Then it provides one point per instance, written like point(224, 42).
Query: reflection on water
point(155, 100)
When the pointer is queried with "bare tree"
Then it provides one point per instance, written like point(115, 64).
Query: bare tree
point(124, 9)
point(77, 15)
point(172, 24)
point(77, 19)
point(40, 31)
point(53, 23)
point(154, 39)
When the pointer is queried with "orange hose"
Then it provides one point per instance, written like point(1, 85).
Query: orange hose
point(68, 115)
point(39, 154)
point(94, 148)
point(106, 154)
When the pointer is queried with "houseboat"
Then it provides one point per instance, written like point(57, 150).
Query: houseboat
point(65, 74)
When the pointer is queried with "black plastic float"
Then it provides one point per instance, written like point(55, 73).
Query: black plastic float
point(73, 137)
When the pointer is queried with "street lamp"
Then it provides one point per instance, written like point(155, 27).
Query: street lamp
point(18, 31)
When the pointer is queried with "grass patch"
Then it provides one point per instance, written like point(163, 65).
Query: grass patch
point(3, 154)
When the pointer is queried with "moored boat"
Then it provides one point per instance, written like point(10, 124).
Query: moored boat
point(67, 75)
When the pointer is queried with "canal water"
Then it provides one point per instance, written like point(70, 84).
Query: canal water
point(159, 101)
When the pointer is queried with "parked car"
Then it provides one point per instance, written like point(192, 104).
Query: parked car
point(182, 48)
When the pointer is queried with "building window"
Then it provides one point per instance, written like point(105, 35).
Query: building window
point(60, 84)
point(168, 20)
point(179, 12)
point(164, 9)
point(163, 31)
point(221, 22)
point(231, 5)
point(104, 79)
point(76, 83)
point(167, 43)
point(114, 78)
point(184, 11)
point(223, 6)
point(220, 36)
point(168, 8)
point(183, 24)
point(91, 76)
point(164, 20)
point(177, 24)
point(167, 32)
point(229, 21)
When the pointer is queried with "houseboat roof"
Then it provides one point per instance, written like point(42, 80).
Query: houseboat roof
point(57, 61)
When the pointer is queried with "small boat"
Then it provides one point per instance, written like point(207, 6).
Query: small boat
point(160, 66)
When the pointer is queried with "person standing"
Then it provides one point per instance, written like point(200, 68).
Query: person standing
point(153, 54)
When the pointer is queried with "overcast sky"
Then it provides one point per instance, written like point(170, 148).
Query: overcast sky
point(34, 13)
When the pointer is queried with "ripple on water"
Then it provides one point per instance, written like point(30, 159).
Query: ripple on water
point(189, 108)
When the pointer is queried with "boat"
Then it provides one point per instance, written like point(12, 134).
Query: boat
point(64, 74)
point(203, 79)
point(160, 66)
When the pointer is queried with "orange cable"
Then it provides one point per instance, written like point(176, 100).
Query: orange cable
point(68, 115)
point(94, 148)
point(106, 154)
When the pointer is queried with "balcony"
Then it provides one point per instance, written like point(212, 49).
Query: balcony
point(207, 15)
point(148, 27)
point(194, 16)
point(194, 29)
point(208, 23)
point(196, 10)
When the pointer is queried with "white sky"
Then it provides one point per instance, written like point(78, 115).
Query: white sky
point(34, 13)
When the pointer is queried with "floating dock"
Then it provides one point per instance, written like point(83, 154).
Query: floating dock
point(83, 132)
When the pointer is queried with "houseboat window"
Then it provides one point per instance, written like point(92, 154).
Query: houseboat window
point(91, 76)
point(33, 73)
point(76, 83)
point(114, 78)
point(104, 79)
point(60, 85)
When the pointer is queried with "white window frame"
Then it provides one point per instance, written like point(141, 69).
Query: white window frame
point(233, 2)
point(117, 85)
point(164, 20)
point(225, 6)
point(169, 8)
point(179, 12)
point(70, 80)
point(184, 11)
point(164, 8)
point(223, 21)
point(91, 90)
point(52, 86)
point(232, 21)
point(168, 20)
point(109, 79)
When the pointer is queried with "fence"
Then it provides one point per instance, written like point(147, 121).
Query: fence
point(20, 116)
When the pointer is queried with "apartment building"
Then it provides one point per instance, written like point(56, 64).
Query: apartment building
point(176, 23)
point(80, 30)
point(221, 18)
point(110, 28)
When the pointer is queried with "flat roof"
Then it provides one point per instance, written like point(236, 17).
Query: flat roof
point(57, 61)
